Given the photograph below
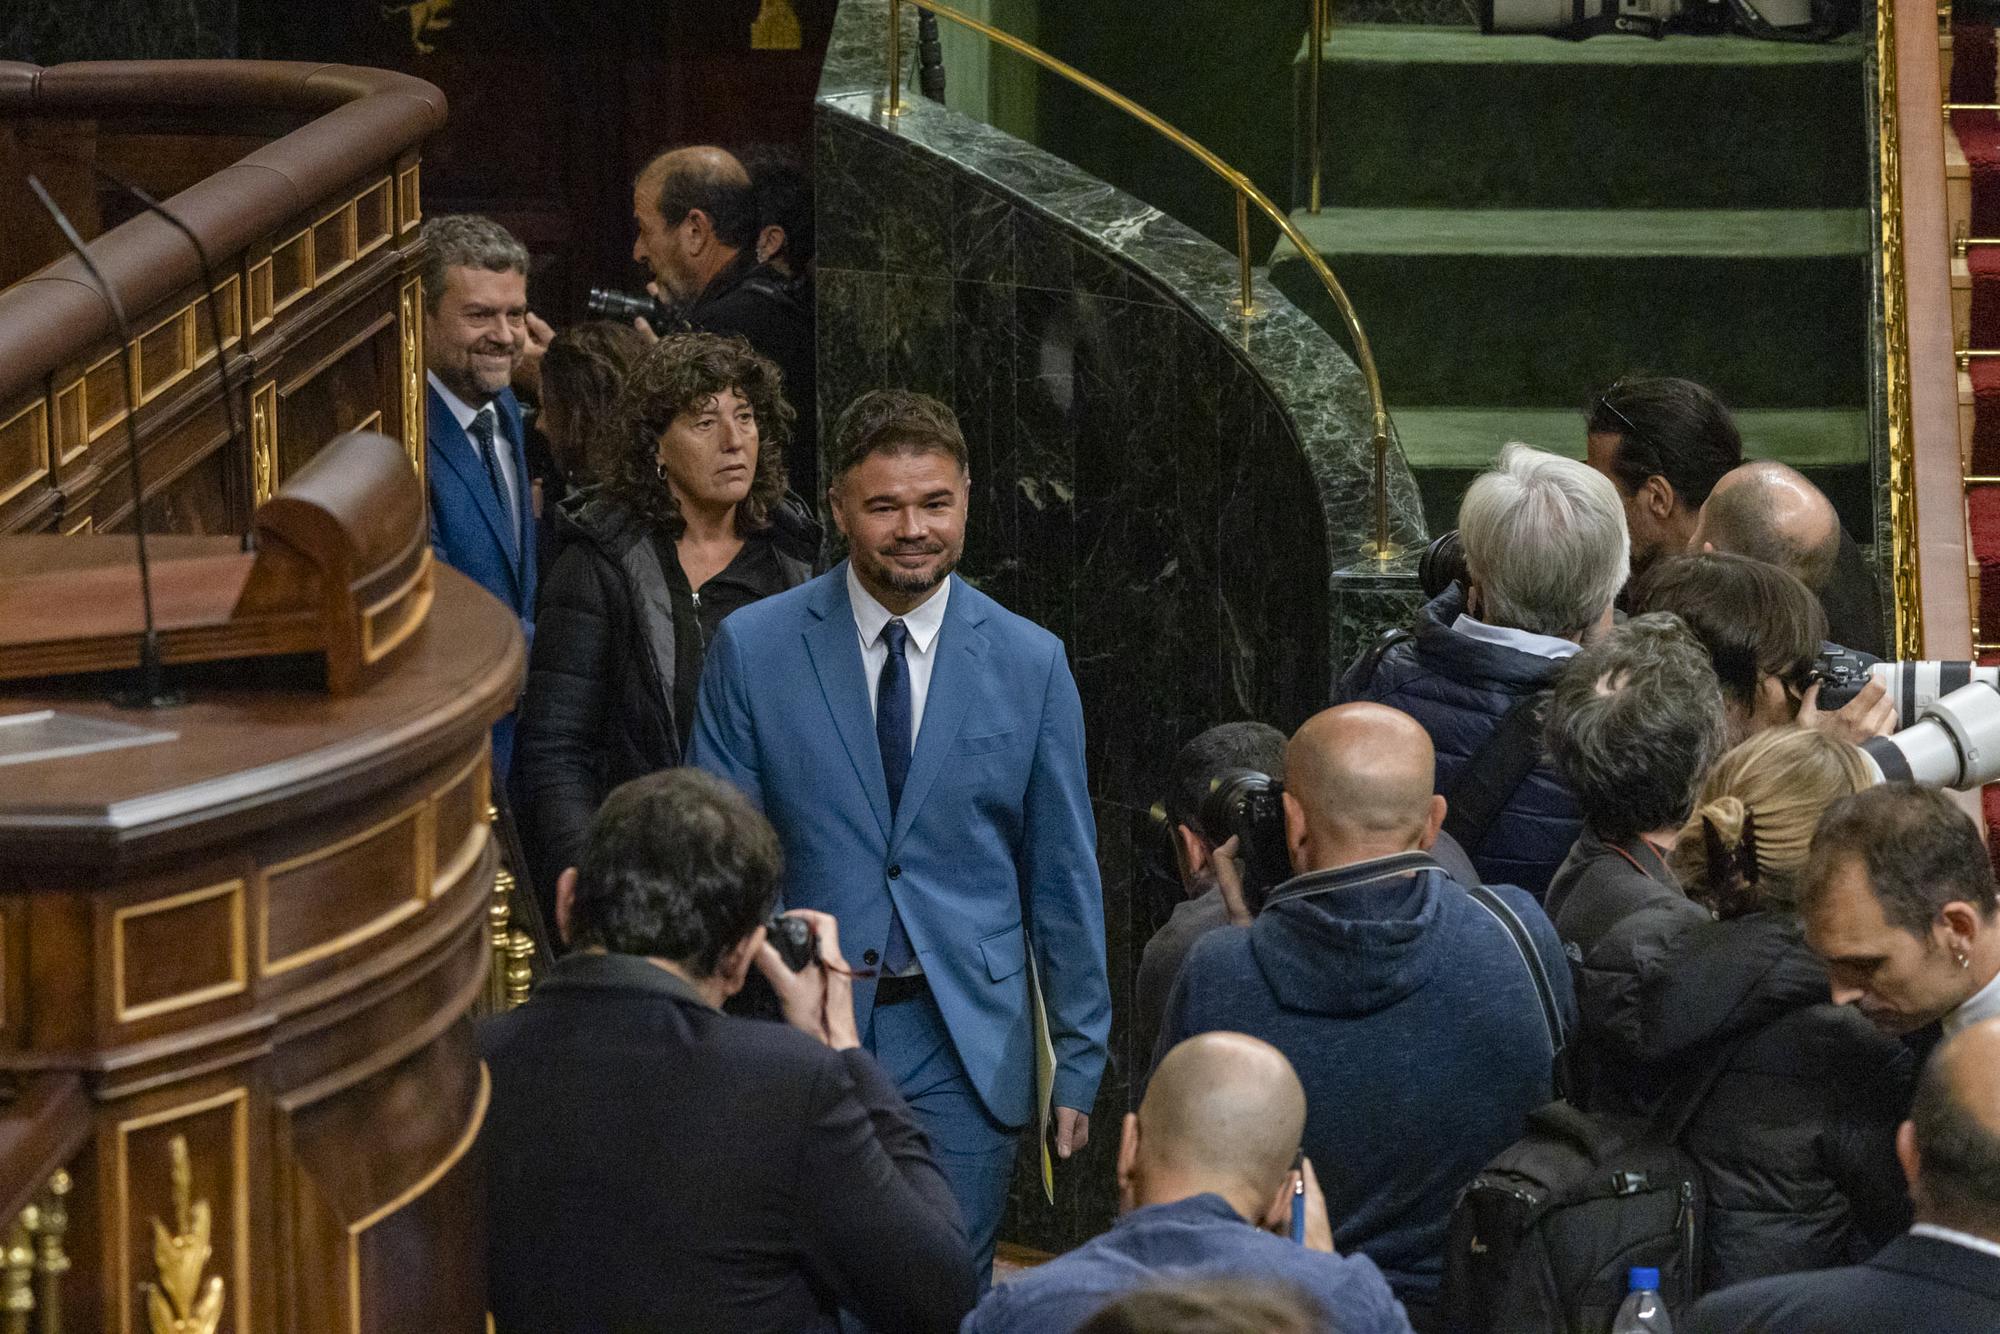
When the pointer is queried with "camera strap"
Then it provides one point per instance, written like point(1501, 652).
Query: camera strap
point(1494, 772)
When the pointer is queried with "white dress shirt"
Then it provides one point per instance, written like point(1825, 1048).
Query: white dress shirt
point(1525, 641)
point(503, 449)
point(1956, 1238)
point(923, 623)
point(1981, 1004)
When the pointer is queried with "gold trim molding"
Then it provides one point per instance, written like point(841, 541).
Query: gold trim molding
point(410, 307)
point(264, 441)
point(181, 1302)
point(1905, 582)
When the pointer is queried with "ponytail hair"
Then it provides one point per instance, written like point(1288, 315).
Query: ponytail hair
point(1747, 841)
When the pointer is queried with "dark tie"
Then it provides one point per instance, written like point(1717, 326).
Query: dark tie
point(892, 735)
point(482, 431)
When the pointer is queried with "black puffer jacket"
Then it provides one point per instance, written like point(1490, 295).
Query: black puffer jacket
point(1796, 1139)
point(599, 705)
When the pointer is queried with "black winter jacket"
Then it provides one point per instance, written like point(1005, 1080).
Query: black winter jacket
point(1796, 1139)
point(599, 705)
point(1459, 689)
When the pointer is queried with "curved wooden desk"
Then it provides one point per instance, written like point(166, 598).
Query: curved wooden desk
point(261, 938)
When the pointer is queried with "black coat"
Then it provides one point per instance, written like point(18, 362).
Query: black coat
point(774, 314)
point(1796, 1139)
point(1917, 1285)
point(654, 1165)
point(599, 704)
point(1618, 919)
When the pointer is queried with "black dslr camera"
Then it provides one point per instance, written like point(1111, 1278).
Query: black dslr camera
point(1247, 804)
point(609, 304)
point(1441, 565)
point(794, 939)
point(1842, 674)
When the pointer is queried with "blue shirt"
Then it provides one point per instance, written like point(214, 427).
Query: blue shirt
point(1198, 1237)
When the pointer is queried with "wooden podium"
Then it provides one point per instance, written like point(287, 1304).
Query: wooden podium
point(239, 937)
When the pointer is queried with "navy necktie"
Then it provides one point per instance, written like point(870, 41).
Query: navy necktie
point(482, 431)
point(892, 735)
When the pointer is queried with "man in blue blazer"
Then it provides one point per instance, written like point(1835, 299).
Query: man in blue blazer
point(1943, 1276)
point(920, 750)
point(475, 329)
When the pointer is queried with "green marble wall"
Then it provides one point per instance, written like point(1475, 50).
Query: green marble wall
point(50, 34)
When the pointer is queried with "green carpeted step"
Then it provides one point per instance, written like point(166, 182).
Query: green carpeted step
point(1470, 438)
point(1537, 307)
point(1424, 116)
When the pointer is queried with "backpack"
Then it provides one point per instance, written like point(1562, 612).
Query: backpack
point(1540, 1241)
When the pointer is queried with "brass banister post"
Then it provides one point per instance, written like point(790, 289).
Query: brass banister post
point(51, 1261)
point(1246, 305)
point(1314, 57)
point(895, 107)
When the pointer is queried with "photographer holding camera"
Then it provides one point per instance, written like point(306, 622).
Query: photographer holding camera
point(1400, 996)
point(653, 1164)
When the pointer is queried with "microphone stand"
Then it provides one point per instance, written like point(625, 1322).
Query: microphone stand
point(151, 691)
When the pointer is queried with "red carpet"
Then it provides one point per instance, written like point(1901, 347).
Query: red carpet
point(1973, 80)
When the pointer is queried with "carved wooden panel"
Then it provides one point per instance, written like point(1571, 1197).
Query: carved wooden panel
point(346, 374)
point(354, 1215)
point(172, 953)
point(24, 450)
point(139, 1151)
point(352, 889)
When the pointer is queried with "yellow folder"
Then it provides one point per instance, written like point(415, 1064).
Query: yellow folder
point(1045, 1075)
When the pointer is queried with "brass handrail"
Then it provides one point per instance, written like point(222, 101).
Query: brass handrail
point(1247, 193)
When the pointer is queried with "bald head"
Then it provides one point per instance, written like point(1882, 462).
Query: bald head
point(1771, 513)
point(1223, 1112)
point(1955, 1132)
point(1361, 775)
point(695, 212)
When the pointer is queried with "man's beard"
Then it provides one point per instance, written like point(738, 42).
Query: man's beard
point(914, 582)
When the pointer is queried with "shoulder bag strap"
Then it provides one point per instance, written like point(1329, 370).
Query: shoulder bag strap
point(1531, 958)
point(1495, 772)
point(1370, 660)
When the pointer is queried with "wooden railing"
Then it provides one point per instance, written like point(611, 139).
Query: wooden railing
point(302, 183)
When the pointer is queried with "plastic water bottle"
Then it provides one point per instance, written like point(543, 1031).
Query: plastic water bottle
point(1643, 1311)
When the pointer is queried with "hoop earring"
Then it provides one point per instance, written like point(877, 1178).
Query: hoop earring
point(659, 470)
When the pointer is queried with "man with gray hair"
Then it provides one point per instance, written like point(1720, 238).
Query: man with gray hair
point(1545, 553)
point(475, 279)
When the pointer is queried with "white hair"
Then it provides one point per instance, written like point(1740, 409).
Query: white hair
point(1545, 541)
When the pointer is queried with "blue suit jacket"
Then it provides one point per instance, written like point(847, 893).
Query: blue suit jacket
point(470, 531)
point(994, 831)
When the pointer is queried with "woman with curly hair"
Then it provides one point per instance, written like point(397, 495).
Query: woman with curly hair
point(689, 519)
point(1795, 1136)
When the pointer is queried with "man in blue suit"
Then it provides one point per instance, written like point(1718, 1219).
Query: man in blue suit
point(475, 330)
point(920, 750)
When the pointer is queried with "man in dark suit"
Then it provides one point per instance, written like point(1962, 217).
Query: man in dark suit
point(475, 330)
point(654, 1164)
point(920, 749)
point(1944, 1276)
point(697, 214)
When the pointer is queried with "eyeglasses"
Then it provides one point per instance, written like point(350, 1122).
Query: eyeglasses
point(1630, 432)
